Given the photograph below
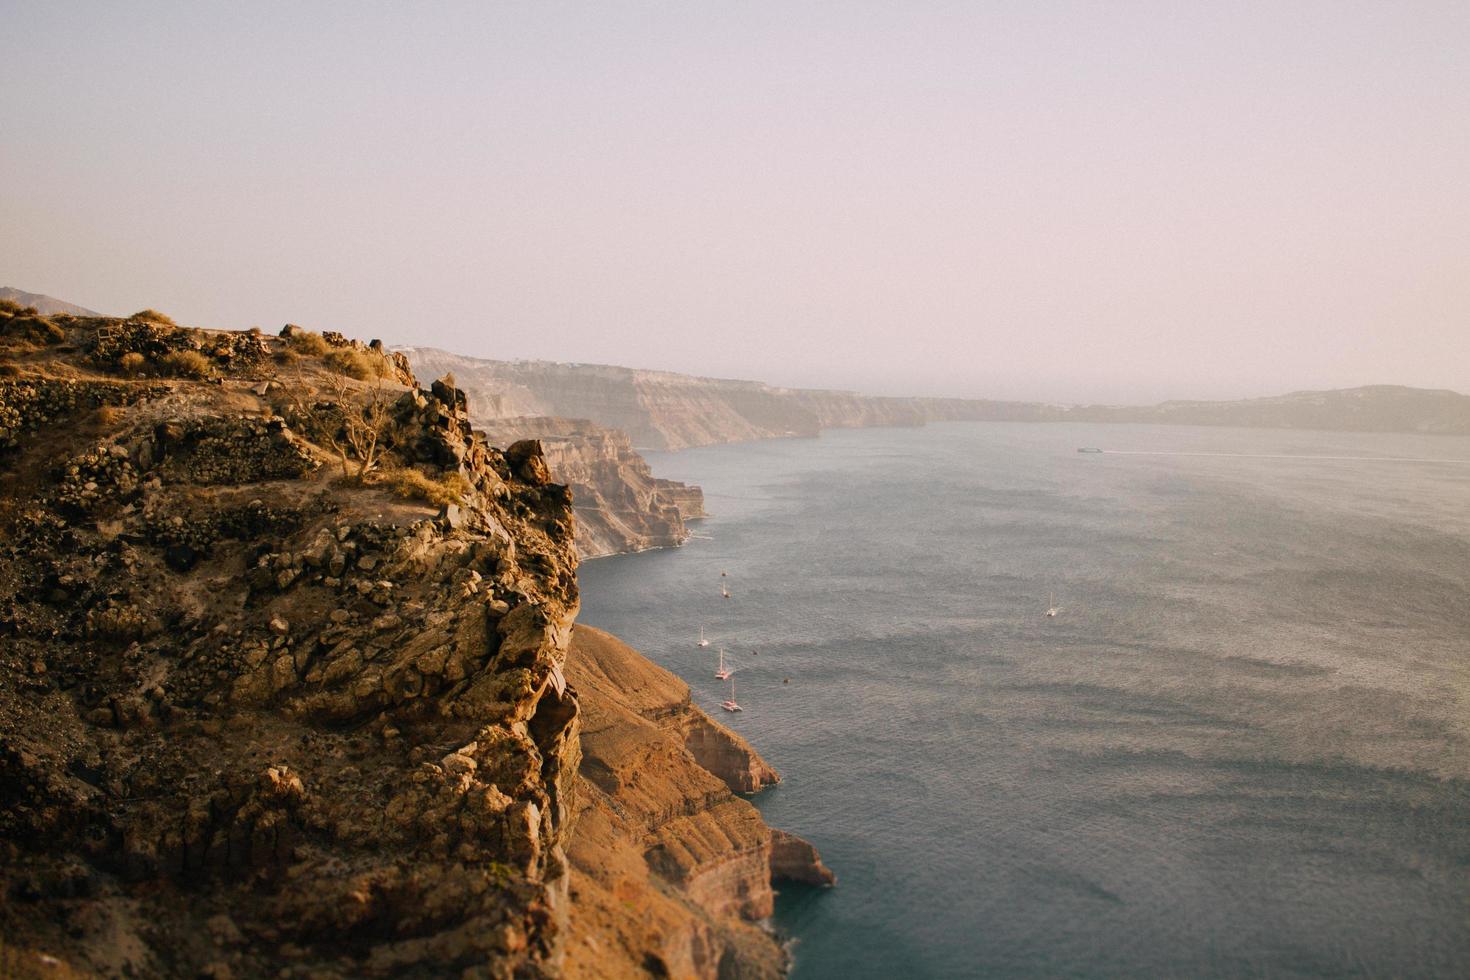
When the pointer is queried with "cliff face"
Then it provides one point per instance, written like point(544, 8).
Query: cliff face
point(285, 687)
point(662, 410)
point(670, 870)
point(657, 409)
point(620, 505)
point(257, 719)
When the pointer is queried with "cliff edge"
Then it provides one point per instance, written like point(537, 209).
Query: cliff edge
point(671, 871)
point(284, 684)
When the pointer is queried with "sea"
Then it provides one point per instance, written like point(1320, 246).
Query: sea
point(1238, 750)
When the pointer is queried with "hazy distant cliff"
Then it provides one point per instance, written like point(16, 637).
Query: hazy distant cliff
point(662, 410)
point(659, 409)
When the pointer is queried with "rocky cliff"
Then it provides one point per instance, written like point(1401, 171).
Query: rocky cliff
point(657, 409)
point(620, 505)
point(661, 410)
point(671, 871)
point(282, 687)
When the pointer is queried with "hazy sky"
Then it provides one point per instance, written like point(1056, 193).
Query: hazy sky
point(1069, 201)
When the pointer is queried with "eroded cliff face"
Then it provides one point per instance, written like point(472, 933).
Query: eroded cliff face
point(621, 506)
point(657, 409)
point(671, 871)
point(257, 719)
point(663, 410)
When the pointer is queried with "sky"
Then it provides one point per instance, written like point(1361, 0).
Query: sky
point(1089, 202)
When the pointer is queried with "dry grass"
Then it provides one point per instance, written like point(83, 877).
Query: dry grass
point(414, 485)
point(30, 327)
point(186, 364)
point(357, 364)
point(109, 415)
point(308, 344)
point(132, 363)
point(153, 316)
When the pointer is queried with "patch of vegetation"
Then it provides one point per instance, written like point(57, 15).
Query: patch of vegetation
point(153, 316)
point(25, 323)
point(357, 364)
point(186, 364)
point(307, 344)
point(355, 424)
point(411, 484)
point(132, 363)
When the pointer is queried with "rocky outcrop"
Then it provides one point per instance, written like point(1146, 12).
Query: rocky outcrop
point(720, 751)
point(671, 871)
point(257, 719)
point(620, 505)
point(285, 688)
point(794, 859)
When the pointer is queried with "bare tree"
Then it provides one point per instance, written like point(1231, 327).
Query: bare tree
point(355, 426)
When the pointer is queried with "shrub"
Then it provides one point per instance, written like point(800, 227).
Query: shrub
point(307, 343)
point(412, 484)
point(357, 364)
point(132, 363)
point(153, 316)
point(286, 356)
point(32, 327)
point(109, 415)
point(9, 307)
point(186, 364)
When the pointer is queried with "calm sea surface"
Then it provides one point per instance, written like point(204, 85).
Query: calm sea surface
point(1239, 750)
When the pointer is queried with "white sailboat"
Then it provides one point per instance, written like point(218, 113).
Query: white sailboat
point(1053, 609)
point(730, 705)
point(724, 591)
point(702, 641)
point(723, 672)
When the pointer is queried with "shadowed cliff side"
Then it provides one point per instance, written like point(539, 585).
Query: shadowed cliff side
point(670, 869)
